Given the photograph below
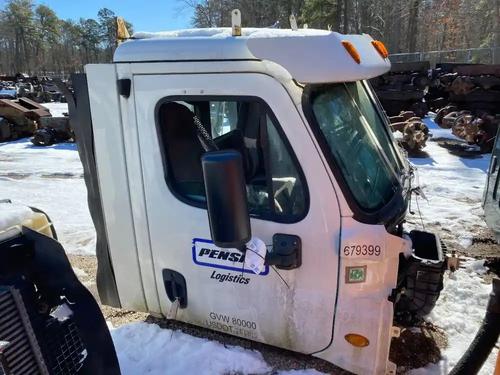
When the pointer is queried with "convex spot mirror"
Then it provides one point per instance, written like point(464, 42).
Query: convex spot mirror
point(226, 198)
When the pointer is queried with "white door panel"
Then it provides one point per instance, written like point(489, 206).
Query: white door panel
point(260, 307)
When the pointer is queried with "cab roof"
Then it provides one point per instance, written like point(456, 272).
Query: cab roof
point(309, 55)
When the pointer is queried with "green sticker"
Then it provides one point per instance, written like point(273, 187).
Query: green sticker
point(356, 274)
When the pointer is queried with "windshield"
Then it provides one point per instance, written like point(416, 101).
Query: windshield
point(359, 142)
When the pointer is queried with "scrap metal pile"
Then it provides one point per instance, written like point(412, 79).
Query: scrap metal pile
point(415, 132)
point(39, 89)
point(479, 129)
point(404, 88)
point(465, 98)
point(24, 117)
point(21, 115)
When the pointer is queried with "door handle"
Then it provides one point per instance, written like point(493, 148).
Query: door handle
point(175, 287)
point(286, 253)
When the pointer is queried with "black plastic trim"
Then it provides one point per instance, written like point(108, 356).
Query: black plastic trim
point(390, 214)
point(203, 205)
point(81, 122)
point(124, 87)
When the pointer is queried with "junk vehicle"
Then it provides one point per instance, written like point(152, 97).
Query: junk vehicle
point(236, 188)
point(247, 181)
point(49, 322)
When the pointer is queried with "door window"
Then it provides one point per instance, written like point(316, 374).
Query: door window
point(276, 187)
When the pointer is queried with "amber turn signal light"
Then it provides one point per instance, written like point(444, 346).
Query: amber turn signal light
point(357, 340)
point(381, 49)
point(352, 51)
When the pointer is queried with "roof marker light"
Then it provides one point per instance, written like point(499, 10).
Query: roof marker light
point(357, 340)
point(352, 51)
point(381, 49)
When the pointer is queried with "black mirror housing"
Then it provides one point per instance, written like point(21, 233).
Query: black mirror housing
point(226, 198)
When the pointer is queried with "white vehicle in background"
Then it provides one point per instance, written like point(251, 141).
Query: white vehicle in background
point(250, 184)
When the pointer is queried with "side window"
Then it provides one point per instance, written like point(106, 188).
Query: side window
point(223, 117)
point(275, 187)
point(288, 191)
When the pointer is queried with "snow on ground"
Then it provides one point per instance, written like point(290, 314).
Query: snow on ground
point(148, 349)
point(142, 349)
point(460, 311)
point(453, 186)
point(56, 109)
point(50, 178)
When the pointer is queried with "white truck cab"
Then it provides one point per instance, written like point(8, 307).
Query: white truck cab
point(200, 147)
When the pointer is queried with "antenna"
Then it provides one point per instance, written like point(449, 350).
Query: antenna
point(236, 22)
point(293, 22)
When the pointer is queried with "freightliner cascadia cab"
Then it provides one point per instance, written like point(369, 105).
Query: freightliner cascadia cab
point(250, 184)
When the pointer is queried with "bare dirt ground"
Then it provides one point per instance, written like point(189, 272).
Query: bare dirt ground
point(415, 348)
point(279, 359)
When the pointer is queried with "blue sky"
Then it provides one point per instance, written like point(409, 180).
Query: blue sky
point(145, 15)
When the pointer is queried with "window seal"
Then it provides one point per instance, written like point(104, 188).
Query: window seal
point(285, 219)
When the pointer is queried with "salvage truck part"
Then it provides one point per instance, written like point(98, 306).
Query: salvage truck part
point(235, 188)
point(415, 132)
point(49, 322)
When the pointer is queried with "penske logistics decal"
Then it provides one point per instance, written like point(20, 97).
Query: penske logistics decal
point(207, 254)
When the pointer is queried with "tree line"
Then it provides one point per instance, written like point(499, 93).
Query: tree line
point(34, 40)
point(404, 25)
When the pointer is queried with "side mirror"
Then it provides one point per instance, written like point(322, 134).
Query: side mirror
point(226, 198)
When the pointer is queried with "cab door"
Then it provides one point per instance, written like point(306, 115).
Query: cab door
point(289, 192)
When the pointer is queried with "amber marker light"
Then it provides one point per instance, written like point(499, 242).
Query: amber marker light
point(381, 49)
point(356, 340)
point(349, 47)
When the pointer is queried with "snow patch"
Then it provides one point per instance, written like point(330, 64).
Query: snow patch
point(454, 188)
point(144, 348)
point(460, 311)
point(438, 132)
point(51, 179)
point(226, 32)
point(476, 266)
point(56, 109)
point(12, 214)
